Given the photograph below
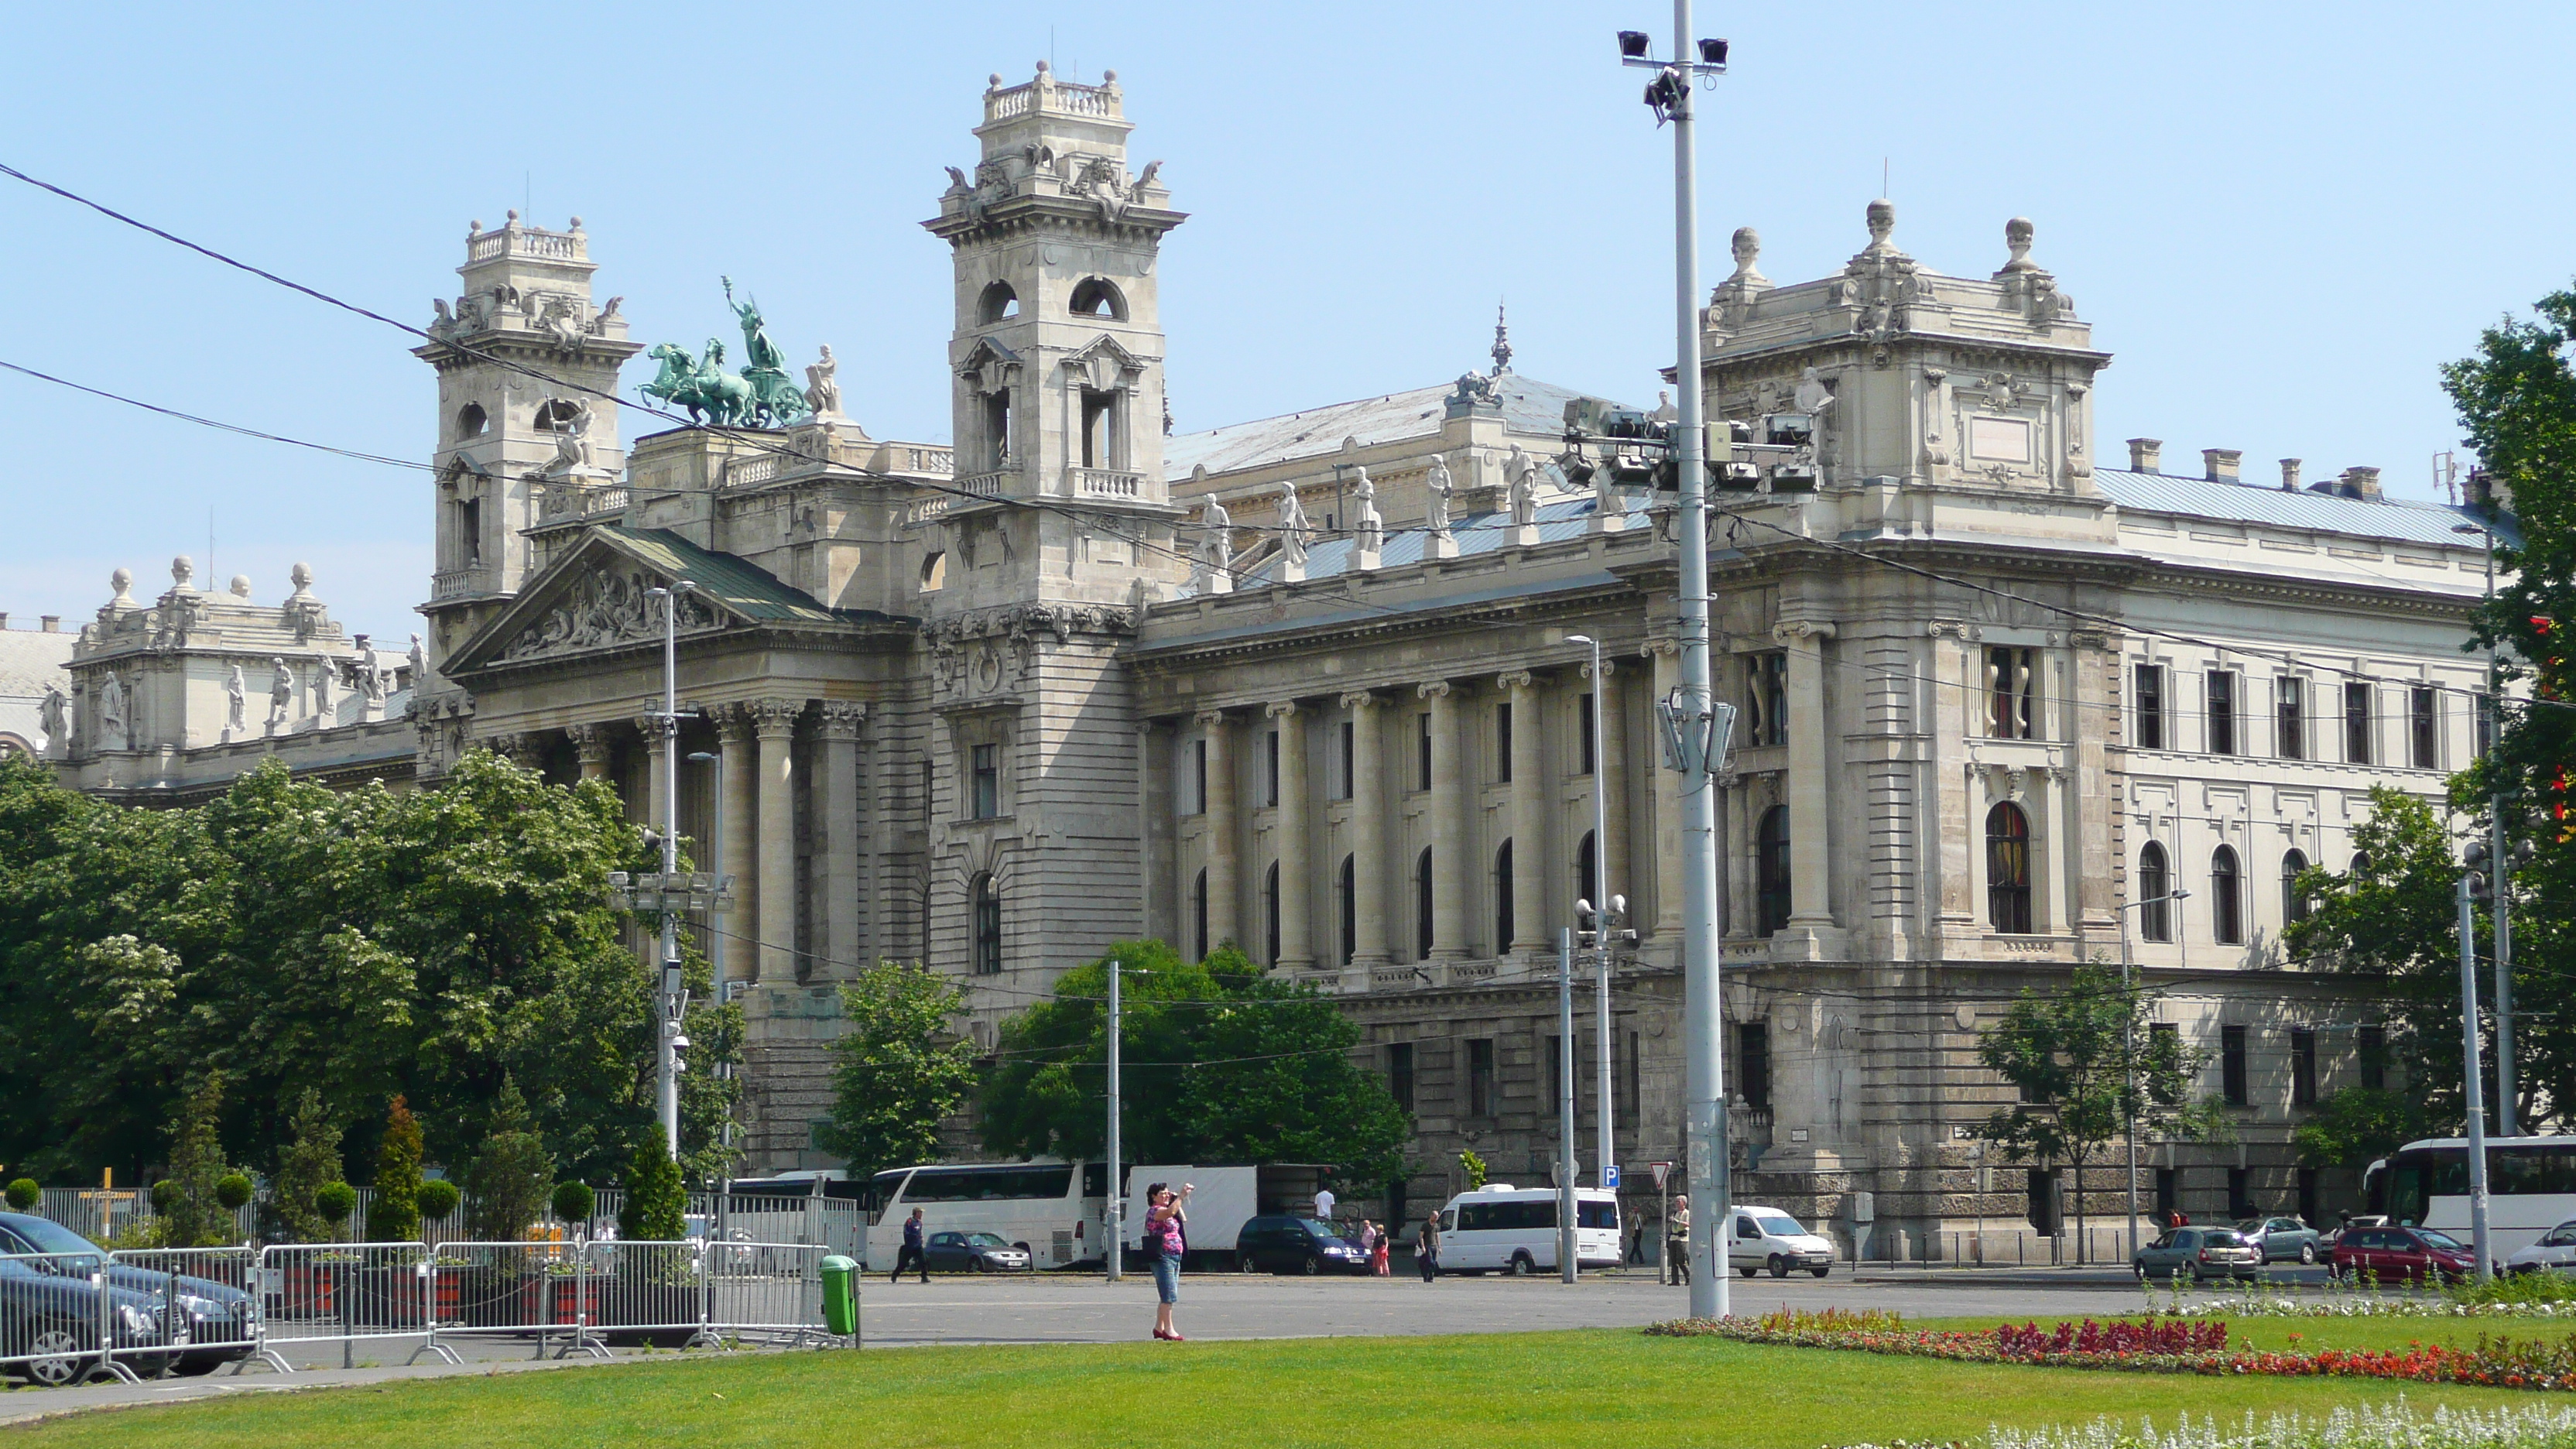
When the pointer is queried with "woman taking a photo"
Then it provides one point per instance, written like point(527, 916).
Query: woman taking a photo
point(1166, 1238)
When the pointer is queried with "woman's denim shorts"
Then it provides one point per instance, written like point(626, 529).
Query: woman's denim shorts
point(1167, 1279)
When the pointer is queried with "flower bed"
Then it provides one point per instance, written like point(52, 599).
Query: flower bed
point(2366, 1426)
point(2157, 1345)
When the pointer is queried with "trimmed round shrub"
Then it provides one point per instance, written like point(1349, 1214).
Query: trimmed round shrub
point(334, 1202)
point(574, 1202)
point(233, 1191)
point(437, 1198)
point(165, 1196)
point(24, 1195)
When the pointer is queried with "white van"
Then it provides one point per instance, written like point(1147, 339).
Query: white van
point(1762, 1237)
point(1499, 1227)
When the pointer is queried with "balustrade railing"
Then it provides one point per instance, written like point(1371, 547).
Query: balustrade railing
point(1106, 483)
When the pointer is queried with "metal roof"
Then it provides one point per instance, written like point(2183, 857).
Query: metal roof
point(747, 591)
point(1530, 407)
point(2401, 520)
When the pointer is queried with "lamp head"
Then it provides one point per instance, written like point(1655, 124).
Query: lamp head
point(1579, 639)
point(703, 757)
point(1632, 45)
point(2180, 893)
point(1712, 52)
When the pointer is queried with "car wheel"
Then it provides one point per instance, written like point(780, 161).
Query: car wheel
point(1820, 1272)
point(1243, 1263)
point(2308, 1254)
point(1779, 1266)
point(55, 1355)
point(1312, 1266)
point(979, 1265)
point(1748, 1272)
point(2198, 1278)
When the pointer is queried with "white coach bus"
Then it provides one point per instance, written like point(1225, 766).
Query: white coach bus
point(1052, 1210)
point(2531, 1188)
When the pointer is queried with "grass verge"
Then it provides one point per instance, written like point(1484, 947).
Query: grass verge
point(1486, 1391)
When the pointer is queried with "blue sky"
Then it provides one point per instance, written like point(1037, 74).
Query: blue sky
point(2280, 218)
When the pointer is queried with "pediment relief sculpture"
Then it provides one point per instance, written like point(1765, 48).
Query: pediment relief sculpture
point(598, 610)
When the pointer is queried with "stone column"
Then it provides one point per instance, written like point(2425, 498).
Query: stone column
point(839, 844)
point(591, 742)
point(1224, 873)
point(1529, 818)
point(775, 722)
point(735, 960)
point(1449, 805)
point(1296, 867)
point(1810, 785)
point(1668, 810)
point(1610, 774)
point(1368, 830)
point(657, 748)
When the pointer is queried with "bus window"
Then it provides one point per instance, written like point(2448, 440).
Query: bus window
point(1596, 1215)
point(988, 1184)
point(881, 1191)
point(1095, 1179)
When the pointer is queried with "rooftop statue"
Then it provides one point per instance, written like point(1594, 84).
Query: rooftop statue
point(760, 396)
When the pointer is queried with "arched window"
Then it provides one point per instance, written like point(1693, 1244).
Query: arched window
point(1198, 916)
point(555, 413)
point(1771, 870)
point(2360, 864)
point(997, 303)
point(1587, 872)
point(1422, 906)
point(2155, 891)
point(471, 421)
point(2294, 902)
point(1093, 297)
point(1349, 893)
point(1270, 912)
point(2226, 898)
point(2008, 870)
point(1503, 898)
point(934, 571)
point(988, 926)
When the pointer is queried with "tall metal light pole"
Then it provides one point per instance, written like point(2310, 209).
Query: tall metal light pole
point(1605, 921)
point(1565, 1169)
point(1704, 1079)
point(2505, 1124)
point(667, 996)
point(1115, 1226)
point(2129, 1072)
point(2470, 886)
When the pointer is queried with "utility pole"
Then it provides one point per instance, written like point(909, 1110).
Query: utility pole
point(1606, 920)
point(2472, 885)
point(1565, 1170)
point(668, 998)
point(2128, 1070)
point(1116, 1217)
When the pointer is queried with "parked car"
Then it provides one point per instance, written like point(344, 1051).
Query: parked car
point(1762, 1237)
point(2554, 1252)
point(50, 1310)
point(975, 1253)
point(2201, 1253)
point(1295, 1245)
point(2283, 1239)
point(2400, 1255)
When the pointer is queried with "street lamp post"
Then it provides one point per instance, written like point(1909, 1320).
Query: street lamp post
point(2505, 1124)
point(1704, 1082)
point(667, 998)
point(1605, 923)
point(715, 868)
point(2128, 1063)
point(2471, 886)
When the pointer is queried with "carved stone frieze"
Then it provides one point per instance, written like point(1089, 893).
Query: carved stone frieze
point(608, 607)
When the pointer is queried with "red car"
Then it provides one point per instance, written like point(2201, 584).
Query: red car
point(2400, 1255)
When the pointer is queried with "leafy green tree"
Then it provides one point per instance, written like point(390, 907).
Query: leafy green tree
point(900, 1069)
point(656, 1209)
point(2356, 1125)
point(195, 1217)
point(332, 1205)
point(2087, 1064)
point(393, 1213)
point(1220, 1064)
point(511, 1175)
point(310, 1162)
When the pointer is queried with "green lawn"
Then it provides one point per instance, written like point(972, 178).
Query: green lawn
point(1487, 1391)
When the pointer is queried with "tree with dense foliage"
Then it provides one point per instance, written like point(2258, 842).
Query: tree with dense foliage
point(656, 1209)
point(2517, 400)
point(1221, 1064)
point(393, 1211)
point(309, 1161)
point(899, 1069)
point(194, 1216)
point(2088, 1062)
point(361, 944)
point(511, 1175)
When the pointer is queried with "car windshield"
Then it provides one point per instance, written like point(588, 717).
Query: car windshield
point(2223, 1238)
point(2250, 1225)
point(47, 1236)
point(1319, 1229)
point(987, 1240)
point(1779, 1225)
point(2434, 1239)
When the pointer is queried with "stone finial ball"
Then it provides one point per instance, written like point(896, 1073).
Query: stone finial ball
point(121, 580)
point(1043, 67)
point(1882, 217)
point(514, 213)
point(473, 227)
point(1109, 77)
point(994, 79)
point(241, 586)
point(182, 567)
point(2019, 231)
point(302, 574)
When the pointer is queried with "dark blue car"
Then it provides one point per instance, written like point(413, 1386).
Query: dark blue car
point(50, 1310)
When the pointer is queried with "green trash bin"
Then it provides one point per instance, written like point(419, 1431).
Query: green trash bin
point(841, 1296)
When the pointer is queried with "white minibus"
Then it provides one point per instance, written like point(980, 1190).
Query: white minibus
point(1502, 1228)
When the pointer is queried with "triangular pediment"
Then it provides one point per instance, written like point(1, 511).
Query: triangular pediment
point(1104, 363)
point(596, 598)
point(989, 363)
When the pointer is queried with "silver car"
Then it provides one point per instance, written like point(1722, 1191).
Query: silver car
point(2555, 1252)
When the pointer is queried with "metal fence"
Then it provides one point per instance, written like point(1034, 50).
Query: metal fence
point(348, 1292)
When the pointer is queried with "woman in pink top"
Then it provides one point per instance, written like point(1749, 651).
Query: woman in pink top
point(1166, 1238)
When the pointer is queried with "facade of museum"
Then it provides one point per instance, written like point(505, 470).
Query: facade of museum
point(1071, 680)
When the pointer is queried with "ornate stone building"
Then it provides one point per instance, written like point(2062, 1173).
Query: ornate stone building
point(1072, 681)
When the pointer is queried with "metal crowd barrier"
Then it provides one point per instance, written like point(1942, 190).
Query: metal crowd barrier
point(349, 1292)
point(204, 1303)
point(767, 1291)
point(535, 1289)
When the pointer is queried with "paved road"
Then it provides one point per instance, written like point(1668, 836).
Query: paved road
point(1057, 1308)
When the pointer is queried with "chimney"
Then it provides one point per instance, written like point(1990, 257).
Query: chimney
point(4, 621)
point(2218, 465)
point(53, 623)
point(2146, 455)
point(2289, 475)
point(2362, 482)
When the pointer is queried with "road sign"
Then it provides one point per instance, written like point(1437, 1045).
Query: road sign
point(1610, 1177)
point(1660, 1169)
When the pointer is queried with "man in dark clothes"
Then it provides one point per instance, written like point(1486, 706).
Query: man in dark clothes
point(911, 1254)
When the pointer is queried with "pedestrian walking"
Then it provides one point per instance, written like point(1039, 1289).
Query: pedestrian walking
point(1426, 1249)
point(912, 1255)
point(1166, 1239)
point(1367, 1238)
point(1324, 1206)
point(1381, 1255)
point(1677, 1238)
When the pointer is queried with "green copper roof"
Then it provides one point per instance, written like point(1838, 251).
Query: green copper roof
point(748, 592)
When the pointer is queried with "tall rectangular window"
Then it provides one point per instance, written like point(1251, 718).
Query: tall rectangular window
point(2222, 712)
point(2168, 1191)
point(1399, 1073)
point(1634, 1078)
point(2356, 723)
point(2290, 718)
point(2151, 706)
point(2372, 1050)
point(1480, 1077)
point(2422, 710)
point(1194, 778)
point(1583, 734)
point(1766, 699)
point(2485, 707)
point(2240, 1193)
point(1503, 743)
point(2303, 1067)
point(1422, 751)
point(2232, 1082)
point(2012, 693)
point(1270, 770)
point(1349, 784)
point(1753, 1064)
point(988, 781)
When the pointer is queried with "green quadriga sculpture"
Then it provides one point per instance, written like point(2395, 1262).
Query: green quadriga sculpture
point(760, 396)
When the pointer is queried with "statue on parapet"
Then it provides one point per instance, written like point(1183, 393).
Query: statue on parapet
point(823, 385)
point(281, 694)
point(1293, 527)
point(56, 716)
point(1439, 488)
point(775, 401)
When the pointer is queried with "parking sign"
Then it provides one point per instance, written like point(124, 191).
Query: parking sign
point(1610, 1177)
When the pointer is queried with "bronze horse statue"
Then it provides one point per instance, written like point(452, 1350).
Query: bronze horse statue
point(703, 388)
